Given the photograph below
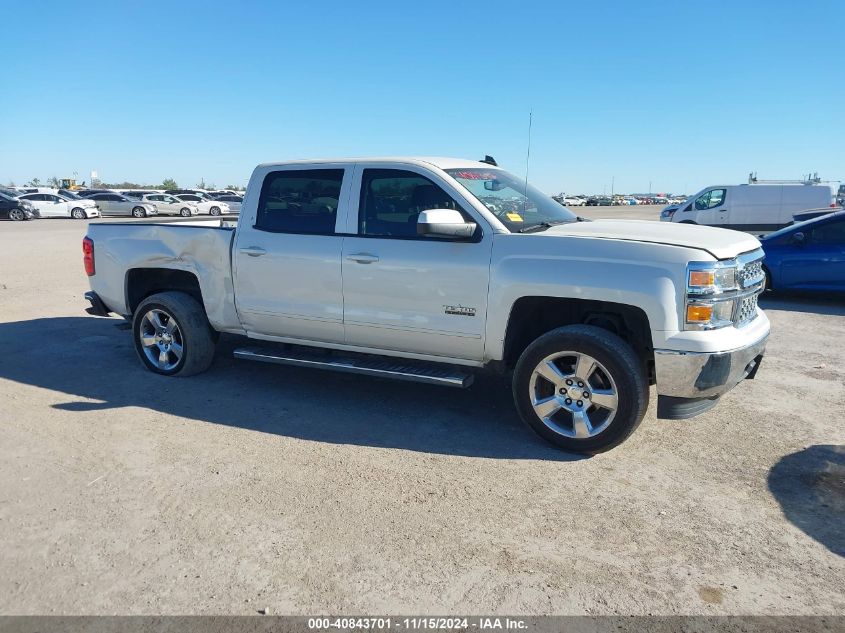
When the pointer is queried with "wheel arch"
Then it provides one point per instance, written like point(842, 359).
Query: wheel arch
point(532, 316)
point(140, 283)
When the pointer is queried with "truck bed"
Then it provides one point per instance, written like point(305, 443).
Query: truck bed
point(200, 247)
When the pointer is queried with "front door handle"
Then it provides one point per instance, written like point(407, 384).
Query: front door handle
point(362, 258)
point(254, 251)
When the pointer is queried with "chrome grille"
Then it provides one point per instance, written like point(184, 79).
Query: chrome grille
point(750, 274)
point(746, 309)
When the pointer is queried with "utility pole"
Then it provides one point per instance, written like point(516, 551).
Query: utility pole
point(612, 184)
point(649, 187)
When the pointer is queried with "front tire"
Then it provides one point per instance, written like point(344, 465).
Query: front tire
point(17, 215)
point(185, 213)
point(172, 335)
point(78, 214)
point(214, 211)
point(139, 212)
point(581, 388)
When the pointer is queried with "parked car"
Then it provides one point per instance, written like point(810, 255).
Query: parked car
point(14, 208)
point(211, 207)
point(23, 190)
point(196, 192)
point(413, 264)
point(809, 214)
point(573, 202)
point(171, 205)
point(87, 193)
point(137, 194)
point(668, 211)
point(751, 207)
point(808, 255)
point(70, 195)
point(598, 201)
point(117, 204)
point(51, 205)
point(234, 202)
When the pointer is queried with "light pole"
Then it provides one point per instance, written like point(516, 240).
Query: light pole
point(612, 184)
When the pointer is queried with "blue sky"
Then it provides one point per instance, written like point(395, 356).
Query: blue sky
point(682, 94)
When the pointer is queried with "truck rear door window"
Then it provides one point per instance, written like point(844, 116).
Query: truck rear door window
point(300, 201)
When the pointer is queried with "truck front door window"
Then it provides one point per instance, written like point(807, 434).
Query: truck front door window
point(392, 200)
point(300, 201)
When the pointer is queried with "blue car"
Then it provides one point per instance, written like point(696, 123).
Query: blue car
point(808, 255)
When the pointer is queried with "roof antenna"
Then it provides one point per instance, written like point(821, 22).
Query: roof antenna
point(528, 155)
point(489, 160)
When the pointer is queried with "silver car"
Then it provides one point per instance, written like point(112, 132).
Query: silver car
point(117, 204)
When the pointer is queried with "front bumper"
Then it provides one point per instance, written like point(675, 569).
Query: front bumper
point(690, 383)
point(706, 374)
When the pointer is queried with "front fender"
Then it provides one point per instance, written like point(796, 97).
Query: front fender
point(646, 276)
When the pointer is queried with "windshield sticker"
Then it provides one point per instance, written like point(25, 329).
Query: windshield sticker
point(476, 175)
point(514, 217)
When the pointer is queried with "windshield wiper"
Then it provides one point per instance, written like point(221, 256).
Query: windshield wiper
point(542, 226)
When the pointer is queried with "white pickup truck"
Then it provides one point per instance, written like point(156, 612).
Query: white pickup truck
point(428, 269)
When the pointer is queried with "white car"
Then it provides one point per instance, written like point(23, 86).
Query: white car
point(171, 205)
point(211, 207)
point(51, 205)
point(234, 202)
point(573, 202)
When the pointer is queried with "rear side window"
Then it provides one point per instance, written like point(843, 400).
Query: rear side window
point(300, 201)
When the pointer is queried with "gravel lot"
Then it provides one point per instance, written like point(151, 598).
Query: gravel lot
point(258, 486)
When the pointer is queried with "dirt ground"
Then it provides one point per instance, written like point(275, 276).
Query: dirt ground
point(255, 486)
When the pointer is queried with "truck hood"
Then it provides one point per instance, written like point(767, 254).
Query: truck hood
point(721, 243)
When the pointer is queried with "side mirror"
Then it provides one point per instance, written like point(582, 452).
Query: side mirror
point(799, 239)
point(444, 223)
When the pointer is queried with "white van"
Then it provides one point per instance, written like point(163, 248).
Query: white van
point(749, 207)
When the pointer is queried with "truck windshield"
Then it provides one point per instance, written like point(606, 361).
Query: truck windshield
point(516, 205)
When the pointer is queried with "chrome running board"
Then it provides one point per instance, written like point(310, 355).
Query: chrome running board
point(379, 366)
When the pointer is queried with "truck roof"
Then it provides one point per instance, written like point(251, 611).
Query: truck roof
point(440, 162)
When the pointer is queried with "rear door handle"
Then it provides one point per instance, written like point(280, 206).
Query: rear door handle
point(362, 258)
point(254, 251)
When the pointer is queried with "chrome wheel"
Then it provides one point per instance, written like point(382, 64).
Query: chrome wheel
point(185, 213)
point(17, 215)
point(215, 211)
point(573, 394)
point(161, 339)
point(139, 212)
point(77, 214)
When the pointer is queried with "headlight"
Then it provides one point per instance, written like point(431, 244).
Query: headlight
point(719, 294)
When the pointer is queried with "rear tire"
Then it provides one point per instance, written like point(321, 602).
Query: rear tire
point(587, 413)
point(172, 335)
